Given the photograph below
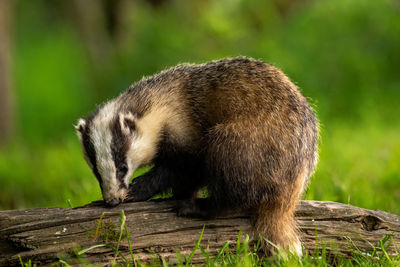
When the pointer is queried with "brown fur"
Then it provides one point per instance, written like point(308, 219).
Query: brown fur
point(238, 126)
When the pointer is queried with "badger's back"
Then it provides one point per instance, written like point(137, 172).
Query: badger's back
point(258, 100)
point(242, 88)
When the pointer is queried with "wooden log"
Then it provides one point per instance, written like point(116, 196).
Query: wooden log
point(48, 234)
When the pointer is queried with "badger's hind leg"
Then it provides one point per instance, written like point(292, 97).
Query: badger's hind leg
point(274, 221)
point(247, 171)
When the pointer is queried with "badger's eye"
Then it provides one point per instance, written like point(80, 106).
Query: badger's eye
point(122, 170)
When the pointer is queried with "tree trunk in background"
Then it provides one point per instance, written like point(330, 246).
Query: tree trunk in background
point(6, 99)
point(92, 26)
point(100, 25)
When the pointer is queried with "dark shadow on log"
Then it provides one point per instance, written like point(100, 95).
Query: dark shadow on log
point(45, 235)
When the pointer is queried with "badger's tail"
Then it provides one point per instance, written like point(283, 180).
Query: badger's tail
point(275, 224)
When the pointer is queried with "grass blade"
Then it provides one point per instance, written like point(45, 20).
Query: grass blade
point(122, 220)
point(221, 251)
point(195, 247)
point(83, 251)
point(130, 246)
point(64, 263)
point(179, 258)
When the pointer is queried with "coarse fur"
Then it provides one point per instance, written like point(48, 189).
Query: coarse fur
point(237, 126)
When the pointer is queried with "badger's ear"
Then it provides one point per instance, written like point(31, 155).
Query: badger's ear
point(80, 127)
point(127, 122)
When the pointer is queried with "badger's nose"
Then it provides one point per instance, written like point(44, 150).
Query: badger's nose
point(113, 202)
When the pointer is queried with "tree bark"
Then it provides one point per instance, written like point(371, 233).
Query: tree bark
point(6, 99)
point(48, 234)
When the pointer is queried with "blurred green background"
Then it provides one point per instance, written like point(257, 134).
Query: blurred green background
point(61, 58)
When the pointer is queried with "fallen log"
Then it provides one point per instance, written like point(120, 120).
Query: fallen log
point(46, 235)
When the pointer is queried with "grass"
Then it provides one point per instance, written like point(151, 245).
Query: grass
point(244, 253)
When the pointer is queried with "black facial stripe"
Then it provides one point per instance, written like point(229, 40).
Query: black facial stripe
point(119, 148)
point(123, 186)
point(91, 153)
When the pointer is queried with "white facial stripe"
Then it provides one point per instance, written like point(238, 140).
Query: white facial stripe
point(101, 138)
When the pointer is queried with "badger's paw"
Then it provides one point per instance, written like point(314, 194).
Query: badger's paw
point(198, 208)
point(185, 208)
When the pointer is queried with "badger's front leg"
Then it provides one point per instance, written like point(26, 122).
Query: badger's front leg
point(154, 182)
point(183, 174)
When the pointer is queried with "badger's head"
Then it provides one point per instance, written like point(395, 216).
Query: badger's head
point(114, 147)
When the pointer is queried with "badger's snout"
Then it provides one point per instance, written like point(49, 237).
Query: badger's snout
point(113, 202)
point(114, 197)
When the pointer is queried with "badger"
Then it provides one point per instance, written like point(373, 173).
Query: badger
point(236, 126)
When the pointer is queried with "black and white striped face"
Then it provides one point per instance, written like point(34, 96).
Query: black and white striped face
point(116, 143)
point(110, 148)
